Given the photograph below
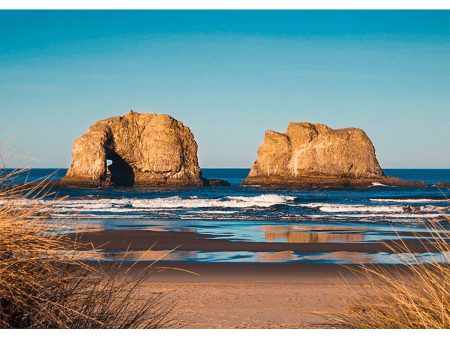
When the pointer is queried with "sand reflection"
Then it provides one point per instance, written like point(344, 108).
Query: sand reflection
point(148, 255)
point(340, 257)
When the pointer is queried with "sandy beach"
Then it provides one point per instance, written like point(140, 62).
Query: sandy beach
point(250, 295)
point(238, 295)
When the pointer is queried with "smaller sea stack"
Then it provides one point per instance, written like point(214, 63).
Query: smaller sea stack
point(314, 155)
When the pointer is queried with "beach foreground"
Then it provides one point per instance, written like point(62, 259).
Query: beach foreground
point(255, 269)
point(233, 294)
point(271, 293)
point(251, 295)
point(234, 257)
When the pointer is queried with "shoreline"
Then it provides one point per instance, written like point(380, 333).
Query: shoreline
point(138, 240)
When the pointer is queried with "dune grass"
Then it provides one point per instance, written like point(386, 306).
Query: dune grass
point(412, 295)
point(43, 285)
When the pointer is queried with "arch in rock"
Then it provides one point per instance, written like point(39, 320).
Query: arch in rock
point(119, 172)
point(145, 149)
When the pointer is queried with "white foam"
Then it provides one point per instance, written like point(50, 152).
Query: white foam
point(378, 184)
point(408, 200)
point(265, 200)
point(94, 216)
point(154, 204)
point(212, 212)
point(389, 216)
point(226, 202)
point(199, 208)
point(386, 209)
point(330, 207)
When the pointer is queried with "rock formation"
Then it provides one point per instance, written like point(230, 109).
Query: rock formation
point(442, 184)
point(314, 155)
point(144, 149)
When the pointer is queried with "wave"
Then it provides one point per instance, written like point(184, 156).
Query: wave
point(360, 208)
point(269, 206)
point(175, 202)
point(372, 218)
point(390, 217)
point(330, 207)
point(408, 200)
point(378, 184)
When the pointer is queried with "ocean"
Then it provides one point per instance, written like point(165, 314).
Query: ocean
point(235, 213)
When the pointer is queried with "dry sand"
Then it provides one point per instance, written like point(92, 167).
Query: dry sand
point(253, 295)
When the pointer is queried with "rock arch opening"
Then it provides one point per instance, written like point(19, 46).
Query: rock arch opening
point(120, 173)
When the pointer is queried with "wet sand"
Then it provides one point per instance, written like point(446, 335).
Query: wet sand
point(138, 240)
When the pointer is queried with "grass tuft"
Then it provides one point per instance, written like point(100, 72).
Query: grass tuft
point(43, 285)
point(412, 295)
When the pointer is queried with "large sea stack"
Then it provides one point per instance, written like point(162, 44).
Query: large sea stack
point(314, 155)
point(142, 149)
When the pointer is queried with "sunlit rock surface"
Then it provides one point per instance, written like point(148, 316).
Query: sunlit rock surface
point(310, 155)
point(142, 149)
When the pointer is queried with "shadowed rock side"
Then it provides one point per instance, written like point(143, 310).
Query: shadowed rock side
point(143, 149)
point(314, 155)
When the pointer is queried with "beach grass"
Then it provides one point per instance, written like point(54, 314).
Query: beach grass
point(44, 285)
point(411, 295)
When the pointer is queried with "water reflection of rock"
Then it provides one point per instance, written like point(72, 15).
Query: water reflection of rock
point(275, 257)
point(349, 257)
point(302, 234)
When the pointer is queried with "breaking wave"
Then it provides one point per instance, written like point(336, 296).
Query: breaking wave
point(408, 200)
point(270, 206)
point(175, 202)
point(385, 209)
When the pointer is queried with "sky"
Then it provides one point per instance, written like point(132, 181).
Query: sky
point(229, 76)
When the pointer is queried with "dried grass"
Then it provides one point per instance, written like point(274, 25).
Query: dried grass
point(42, 285)
point(412, 295)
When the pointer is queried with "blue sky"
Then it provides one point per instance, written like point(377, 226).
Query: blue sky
point(229, 76)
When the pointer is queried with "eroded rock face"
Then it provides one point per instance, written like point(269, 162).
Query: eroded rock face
point(145, 149)
point(309, 152)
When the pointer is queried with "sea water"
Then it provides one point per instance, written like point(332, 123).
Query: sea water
point(237, 213)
